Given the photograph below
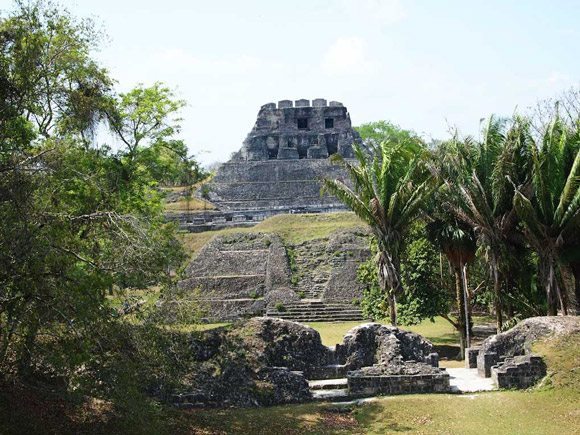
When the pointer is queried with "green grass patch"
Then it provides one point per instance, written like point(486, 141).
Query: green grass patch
point(292, 228)
point(438, 332)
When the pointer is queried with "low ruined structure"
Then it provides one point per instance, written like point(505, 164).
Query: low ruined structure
point(273, 361)
point(507, 357)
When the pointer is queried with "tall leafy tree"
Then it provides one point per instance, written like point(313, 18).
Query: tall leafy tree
point(550, 208)
point(75, 219)
point(389, 183)
point(481, 178)
point(457, 241)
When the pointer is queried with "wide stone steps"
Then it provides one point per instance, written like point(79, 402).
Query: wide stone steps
point(329, 389)
point(317, 311)
point(328, 384)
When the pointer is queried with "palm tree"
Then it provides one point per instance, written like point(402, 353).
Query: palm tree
point(481, 177)
point(389, 186)
point(457, 241)
point(550, 208)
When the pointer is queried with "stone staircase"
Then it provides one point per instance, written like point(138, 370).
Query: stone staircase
point(329, 389)
point(312, 269)
point(317, 311)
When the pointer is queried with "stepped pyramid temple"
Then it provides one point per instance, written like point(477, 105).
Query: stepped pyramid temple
point(278, 170)
point(279, 166)
point(283, 158)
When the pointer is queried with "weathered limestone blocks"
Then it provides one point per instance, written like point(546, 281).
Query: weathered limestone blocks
point(233, 273)
point(471, 357)
point(286, 153)
point(519, 371)
point(282, 296)
point(317, 152)
point(519, 340)
point(485, 361)
point(408, 378)
point(252, 272)
point(286, 184)
point(298, 125)
point(266, 361)
point(346, 251)
point(375, 344)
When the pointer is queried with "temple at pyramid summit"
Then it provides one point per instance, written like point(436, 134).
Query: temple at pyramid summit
point(282, 160)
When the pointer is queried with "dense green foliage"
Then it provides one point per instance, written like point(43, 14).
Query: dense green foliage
point(79, 220)
point(424, 298)
point(390, 183)
point(509, 203)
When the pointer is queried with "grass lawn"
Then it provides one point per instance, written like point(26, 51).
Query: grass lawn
point(292, 228)
point(438, 332)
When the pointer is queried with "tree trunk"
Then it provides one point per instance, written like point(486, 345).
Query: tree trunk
point(393, 309)
point(389, 279)
point(549, 280)
point(466, 305)
point(575, 266)
point(460, 309)
point(497, 296)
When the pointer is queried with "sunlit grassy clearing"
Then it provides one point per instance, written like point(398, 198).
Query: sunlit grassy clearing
point(292, 228)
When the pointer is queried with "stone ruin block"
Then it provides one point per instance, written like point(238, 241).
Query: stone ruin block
point(519, 371)
point(471, 357)
point(335, 104)
point(317, 152)
point(302, 103)
point(319, 102)
point(361, 383)
point(285, 104)
point(268, 106)
point(285, 153)
point(432, 359)
point(485, 361)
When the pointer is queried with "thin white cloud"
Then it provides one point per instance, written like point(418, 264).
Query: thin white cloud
point(348, 56)
point(381, 11)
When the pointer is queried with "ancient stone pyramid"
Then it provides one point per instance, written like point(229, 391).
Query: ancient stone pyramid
point(283, 158)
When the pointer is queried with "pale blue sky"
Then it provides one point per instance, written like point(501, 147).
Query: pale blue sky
point(425, 65)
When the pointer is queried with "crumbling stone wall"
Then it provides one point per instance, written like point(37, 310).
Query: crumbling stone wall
point(370, 381)
point(519, 340)
point(519, 371)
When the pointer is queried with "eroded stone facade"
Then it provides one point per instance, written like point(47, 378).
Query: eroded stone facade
point(299, 130)
point(283, 158)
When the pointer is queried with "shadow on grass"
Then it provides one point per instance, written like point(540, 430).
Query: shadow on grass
point(375, 413)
